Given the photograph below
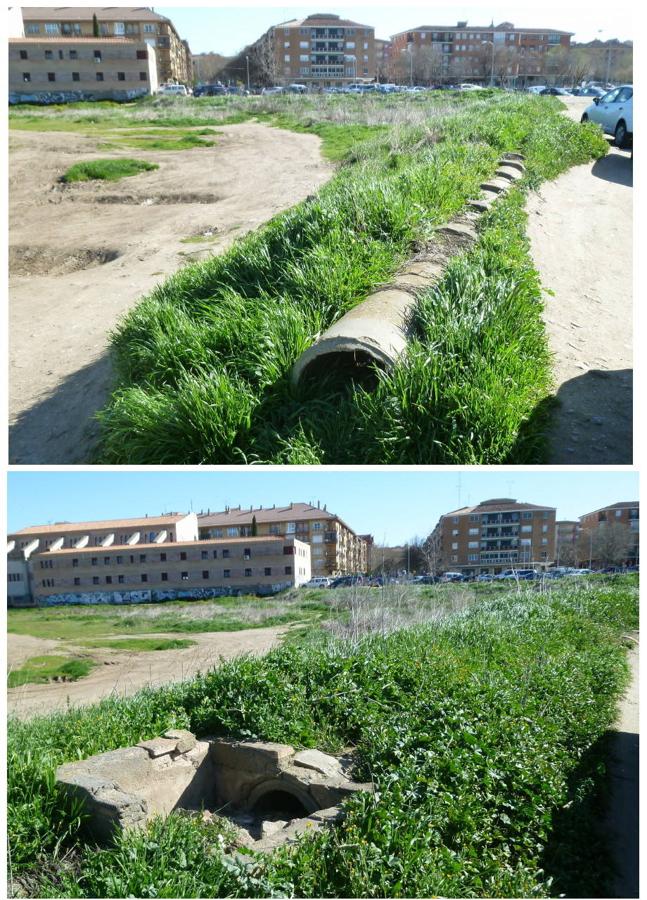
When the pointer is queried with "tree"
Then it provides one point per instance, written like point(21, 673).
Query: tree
point(95, 25)
point(254, 527)
point(608, 545)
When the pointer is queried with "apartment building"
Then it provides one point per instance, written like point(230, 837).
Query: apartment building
point(65, 69)
point(501, 54)
point(139, 24)
point(595, 528)
point(322, 50)
point(335, 548)
point(493, 536)
point(156, 572)
point(567, 532)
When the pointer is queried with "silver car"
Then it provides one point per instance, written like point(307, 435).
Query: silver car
point(614, 111)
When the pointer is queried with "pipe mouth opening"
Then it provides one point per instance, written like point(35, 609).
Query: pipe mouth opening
point(279, 804)
point(339, 368)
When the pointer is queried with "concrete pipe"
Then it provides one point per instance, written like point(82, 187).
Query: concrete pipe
point(376, 332)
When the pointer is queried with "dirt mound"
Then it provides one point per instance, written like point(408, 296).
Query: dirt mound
point(26, 261)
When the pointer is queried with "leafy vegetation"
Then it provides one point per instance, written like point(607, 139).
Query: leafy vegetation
point(484, 735)
point(203, 363)
point(106, 170)
point(41, 669)
point(138, 645)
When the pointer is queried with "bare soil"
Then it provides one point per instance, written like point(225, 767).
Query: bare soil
point(122, 673)
point(580, 231)
point(82, 254)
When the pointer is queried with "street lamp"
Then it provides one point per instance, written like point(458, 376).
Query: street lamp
point(247, 63)
point(492, 65)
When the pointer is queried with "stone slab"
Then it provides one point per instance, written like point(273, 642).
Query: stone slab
point(158, 746)
point(185, 741)
point(318, 762)
point(253, 756)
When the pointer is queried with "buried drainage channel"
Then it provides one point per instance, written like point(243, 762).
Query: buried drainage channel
point(270, 793)
point(376, 332)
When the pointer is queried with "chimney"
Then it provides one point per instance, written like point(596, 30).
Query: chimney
point(318, 504)
point(325, 507)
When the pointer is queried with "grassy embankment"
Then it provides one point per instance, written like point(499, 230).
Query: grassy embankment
point(484, 735)
point(203, 362)
point(41, 669)
point(106, 170)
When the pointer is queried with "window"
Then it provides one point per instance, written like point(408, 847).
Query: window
point(455, 520)
point(143, 76)
point(97, 56)
point(95, 579)
point(544, 540)
point(164, 576)
point(183, 555)
point(26, 76)
point(184, 576)
point(142, 54)
point(553, 39)
point(454, 546)
point(162, 557)
point(23, 54)
point(106, 560)
point(232, 532)
point(132, 558)
point(305, 58)
point(149, 29)
point(286, 58)
point(95, 561)
point(288, 551)
point(75, 563)
point(473, 557)
point(626, 93)
point(526, 528)
point(247, 553)
point(120, 579)
point(120, 28)
point(248, 573)
point(76, 76)
point(454, 532)
point(77, 582)
point(121, 76)
point(52, 28)
point(60, 54)
point(142, 557)
point(144, 577)
point(99, 76)
point(268, 570)
point(108, 579)
point(454, 558)
point(544, 528)
point(473, 531)
point(226, 573)
point(225, 554)
point(526, 515)
point(274, 529)
point(473, 545)
point(205, 574)
point(48, 55)
point(32, 28)
point(304, 45)
point(350, 45)
point(290, 528)
point(215, 554)
point(288, 570)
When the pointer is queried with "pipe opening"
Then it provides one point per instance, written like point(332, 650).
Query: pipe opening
point(279, 805)
point(341, 367)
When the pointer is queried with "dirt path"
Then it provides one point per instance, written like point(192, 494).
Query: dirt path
point(83, 254)
point(580, 231)
point(623, 820)
point(122, 673)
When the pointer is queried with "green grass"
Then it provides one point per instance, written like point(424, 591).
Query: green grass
point(484, 734)
point(136, 645)
point(203, 363)
point(41, 669)
point(107, 170)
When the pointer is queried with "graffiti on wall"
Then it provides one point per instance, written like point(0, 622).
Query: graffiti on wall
point(47, 97)
point(129, 597)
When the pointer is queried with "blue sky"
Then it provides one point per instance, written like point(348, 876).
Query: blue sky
point(227, 29)
point(392, 505)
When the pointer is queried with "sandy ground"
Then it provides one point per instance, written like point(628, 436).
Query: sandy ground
point(121, 673)
point(580, 230)
point(624, 813)
point(81, 255)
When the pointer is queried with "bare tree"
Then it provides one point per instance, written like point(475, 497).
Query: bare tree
point(609, 545)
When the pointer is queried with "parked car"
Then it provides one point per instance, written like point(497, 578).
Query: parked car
point(535, 88)
point(273, 90)
point(469, 87)
point(590, 90)
point(485, 577)
point(346, 581)
point(173, 90)
point(453, 577)
point(614, 111)
point(297, 89)
point(554, 92)
point(386, 88)
point(320, 581)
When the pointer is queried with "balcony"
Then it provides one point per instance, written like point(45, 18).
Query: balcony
point(497, 532)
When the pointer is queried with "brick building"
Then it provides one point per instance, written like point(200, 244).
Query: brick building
point(624, 515)
point(335, 548)
point(139, 24)
point(146, 560)
point(65, 69)
point(501, 54)
point(321, 50)
point(493, 536)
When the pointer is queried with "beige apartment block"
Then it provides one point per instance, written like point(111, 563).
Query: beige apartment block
point(335, 548)
point(476, 53)
point(80, 68)
point(493, 536)
point(158, 572)
point(139, 24)
point(321, 50)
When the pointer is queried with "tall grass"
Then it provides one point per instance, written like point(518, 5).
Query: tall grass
point(483, 733)
point(203, 362)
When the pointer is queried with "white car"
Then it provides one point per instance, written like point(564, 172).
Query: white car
point(469, 87)
point(319, 582)
point(615, 113)
point(173, 90)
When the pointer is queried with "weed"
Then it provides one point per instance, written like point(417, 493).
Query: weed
point(107, 170)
